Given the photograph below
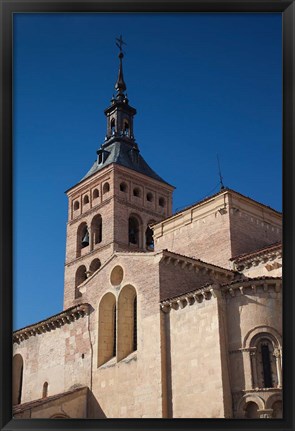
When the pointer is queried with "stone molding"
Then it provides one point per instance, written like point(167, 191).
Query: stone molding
point(261, 256)
point(52, 323)
point(190, 298)
point(197, 265)
point(252, 285)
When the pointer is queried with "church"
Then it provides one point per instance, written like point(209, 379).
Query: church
point(160, 309)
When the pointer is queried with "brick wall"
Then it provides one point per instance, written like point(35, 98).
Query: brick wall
point(221, 227)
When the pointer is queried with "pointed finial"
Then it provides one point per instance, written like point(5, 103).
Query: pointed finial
point(120, 85)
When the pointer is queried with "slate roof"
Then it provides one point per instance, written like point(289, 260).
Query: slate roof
point(120, 152)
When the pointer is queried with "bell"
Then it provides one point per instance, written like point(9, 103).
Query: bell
point(85, 240)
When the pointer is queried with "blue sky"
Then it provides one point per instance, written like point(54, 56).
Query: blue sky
point(202, 84)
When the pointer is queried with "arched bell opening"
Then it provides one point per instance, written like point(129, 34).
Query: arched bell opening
point(82, 238)
point(134, 231)
point(149, 237)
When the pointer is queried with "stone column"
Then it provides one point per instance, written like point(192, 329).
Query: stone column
point(277, 355)
point(254, 368)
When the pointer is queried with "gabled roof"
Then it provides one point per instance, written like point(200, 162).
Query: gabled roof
point(168, 253)
point(18, 408)
point(122, 154)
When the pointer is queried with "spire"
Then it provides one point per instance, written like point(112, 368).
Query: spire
point(120, 85)
point(120, 114)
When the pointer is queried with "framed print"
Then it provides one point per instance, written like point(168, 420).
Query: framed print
point(147, 215)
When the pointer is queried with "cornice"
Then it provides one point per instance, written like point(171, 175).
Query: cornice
point(197, 265)
point(252, 285)
point(197, 296)
point(54, 322)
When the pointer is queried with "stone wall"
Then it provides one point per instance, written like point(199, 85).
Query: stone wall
point(199, 378)
point(254, 309)
point(61, 357)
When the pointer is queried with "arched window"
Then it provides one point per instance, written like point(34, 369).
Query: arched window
point(114, 340)
point(251, 410)
point(113, 126)
point(277, 410)
point(106, 188)
point(149, 238)
point(149, 197)
point(136, 192)
point(265, 349)
point(127, 322)
point(86, 200)
point(80, 275)
point(60, 416)
point(123, 187)
point(17, 378)
point(133, 231)
point(96, 229)
point(161, 202)
point(95, 265)
point(45, 390)
point(265, 361)
point(76, 205)
point(126, 130)
point(106, 328)
point(95, 194)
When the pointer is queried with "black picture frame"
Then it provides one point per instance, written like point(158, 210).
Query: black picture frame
point(8, 8)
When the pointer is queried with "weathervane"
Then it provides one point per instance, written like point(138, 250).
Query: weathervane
point(220, 176)
point(119, 43)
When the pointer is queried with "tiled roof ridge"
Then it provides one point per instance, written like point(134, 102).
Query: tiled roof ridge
point(206, 287)
point(250, 279)
point(165, 251)
point(266, 249)
point(52, 322)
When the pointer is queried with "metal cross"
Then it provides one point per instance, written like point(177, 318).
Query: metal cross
point(120, 42)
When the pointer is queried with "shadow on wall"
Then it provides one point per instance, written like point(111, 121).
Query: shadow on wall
point(94, 410)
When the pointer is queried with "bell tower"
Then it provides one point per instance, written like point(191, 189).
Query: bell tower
point(112, 207)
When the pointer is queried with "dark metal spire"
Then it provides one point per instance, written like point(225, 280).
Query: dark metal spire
point(220, 176)
point(120, 85)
